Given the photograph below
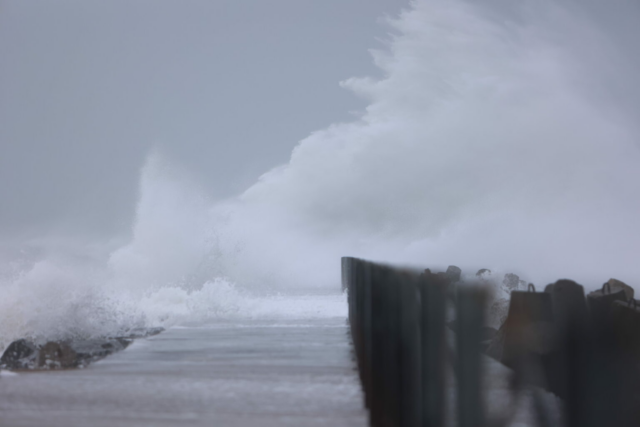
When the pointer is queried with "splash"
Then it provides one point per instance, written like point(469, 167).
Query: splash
point(494, 140)
point(486, 145)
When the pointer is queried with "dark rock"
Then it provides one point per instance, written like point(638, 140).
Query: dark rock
point(569, 303)
point(528, 328)
point(600, 303)
point(483, 272)
point(57, 355)
point(453, 273)
point(442, 278)
point(26, 355)
point(88, 351)
point(527, 334)
point(436, 276)
point(20, 354)
point(617, 285)
point(570, 319)
point(626, 322)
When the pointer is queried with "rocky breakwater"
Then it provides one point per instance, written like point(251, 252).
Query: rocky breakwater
point(535, 323)
point(582, 347)
point(26, 354)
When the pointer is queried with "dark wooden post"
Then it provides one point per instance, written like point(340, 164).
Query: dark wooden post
point(433, 291)
point(410, 350)
point(470, 319)
point(385, 410)
point(366, 332)
point(346, 263)
point(378, 335)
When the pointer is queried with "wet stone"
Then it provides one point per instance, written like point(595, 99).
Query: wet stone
point(56, 355)
point(483, 272)
point(20, 354)
point(617, 285)
point(88, 351)
point(453, 273)
point(601, 301)
point(28, 355)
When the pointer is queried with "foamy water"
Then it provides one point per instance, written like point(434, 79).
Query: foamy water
point(501, 137)
point(55, 308)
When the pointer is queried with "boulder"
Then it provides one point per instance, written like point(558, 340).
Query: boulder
point(88, 351)
point(27, 355)
point(483, 273)
point(57, 355)
point(528, 327)
point(20, 354)
point(569, 303)
point(446, 279)
point(617, 285)
point(626, 326)
point(453, 273)
point(600, 303)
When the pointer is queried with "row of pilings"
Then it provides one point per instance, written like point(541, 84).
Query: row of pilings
point(581, 349)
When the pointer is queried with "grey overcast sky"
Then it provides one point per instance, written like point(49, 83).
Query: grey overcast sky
point(225, 88)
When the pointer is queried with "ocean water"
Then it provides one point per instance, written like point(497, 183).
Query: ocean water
point(503, 135)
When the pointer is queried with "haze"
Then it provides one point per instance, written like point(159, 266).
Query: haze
point(224, 88)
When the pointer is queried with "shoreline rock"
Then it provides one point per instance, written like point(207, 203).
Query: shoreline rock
point(25, 355)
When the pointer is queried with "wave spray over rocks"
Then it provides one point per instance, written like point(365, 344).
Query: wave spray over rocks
point(500, 135)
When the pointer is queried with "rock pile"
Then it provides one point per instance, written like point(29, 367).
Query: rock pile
point(559, 338)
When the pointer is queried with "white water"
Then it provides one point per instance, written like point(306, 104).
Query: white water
point(500, 137)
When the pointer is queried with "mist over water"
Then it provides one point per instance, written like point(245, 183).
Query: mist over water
point(502, 136)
